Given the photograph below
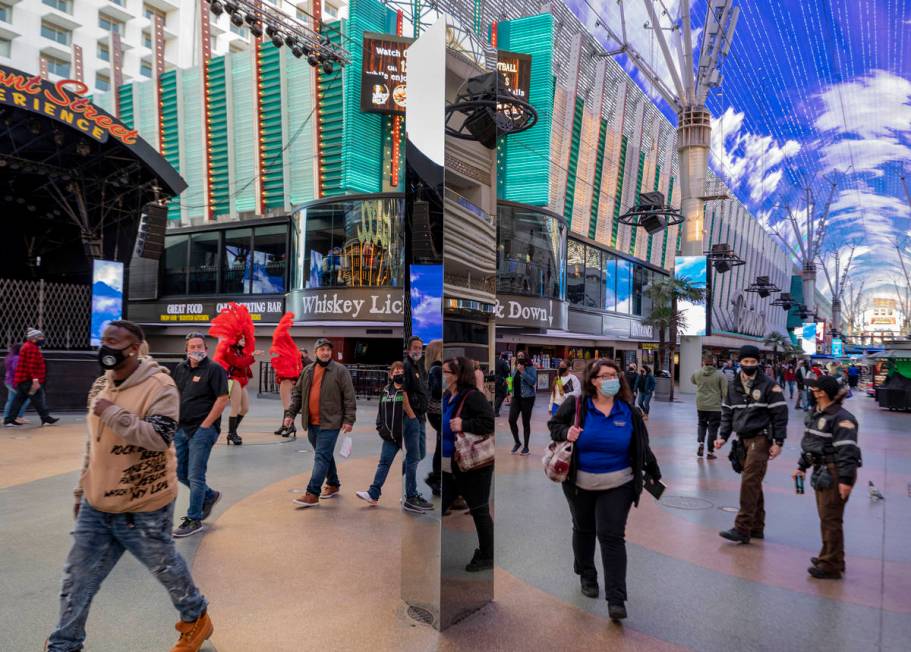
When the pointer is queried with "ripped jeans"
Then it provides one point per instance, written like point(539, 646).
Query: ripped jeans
point(100, 539)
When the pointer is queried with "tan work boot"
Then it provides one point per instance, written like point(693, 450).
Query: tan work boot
point(193, 635)
point(307, 500)
point(329, 491)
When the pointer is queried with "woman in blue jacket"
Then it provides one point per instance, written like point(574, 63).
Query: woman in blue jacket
point(476, 417)
point(610, 460)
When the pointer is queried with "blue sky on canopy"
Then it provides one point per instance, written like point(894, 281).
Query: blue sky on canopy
point(814, 91)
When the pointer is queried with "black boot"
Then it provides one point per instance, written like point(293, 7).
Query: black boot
point(233, 438)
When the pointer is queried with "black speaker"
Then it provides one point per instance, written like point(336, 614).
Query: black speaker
point(150, 236)
point(422, 248)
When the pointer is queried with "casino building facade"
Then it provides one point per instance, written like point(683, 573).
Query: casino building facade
point(294, 190)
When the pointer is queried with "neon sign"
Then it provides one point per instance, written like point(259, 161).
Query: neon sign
point(64, 102)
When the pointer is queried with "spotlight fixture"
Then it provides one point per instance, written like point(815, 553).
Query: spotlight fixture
point(312, 60)
point(250, 19)
point(297, 50)
point(256, 29)
point(83, 148)
point(328, 67)
point(237, 19)
point(271, 29)
point(276, 39)
point(34, 126)
point(290, 40)
point(231, 7)
point(58, 137)
point(763, 287)
point(651, 213)
point(723, 258)
point(784, 300)
point(217, 8)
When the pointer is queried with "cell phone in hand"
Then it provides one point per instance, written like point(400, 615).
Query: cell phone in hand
point(654, 487)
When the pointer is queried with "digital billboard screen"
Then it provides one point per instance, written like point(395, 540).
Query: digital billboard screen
point(107, 296)
point(516, 69)
point(383, 74)
point(808, 338)
point(694, 270)
point(427, 302)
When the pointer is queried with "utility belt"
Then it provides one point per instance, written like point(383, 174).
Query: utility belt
point(822, 478)
point(749, 435)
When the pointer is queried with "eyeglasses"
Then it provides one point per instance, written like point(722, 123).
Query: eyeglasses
point(606, 376)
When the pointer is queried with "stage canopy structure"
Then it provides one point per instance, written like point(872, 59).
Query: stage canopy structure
point(73, 180)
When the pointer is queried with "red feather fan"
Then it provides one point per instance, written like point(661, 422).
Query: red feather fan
point(232, 323)
point(286, 359)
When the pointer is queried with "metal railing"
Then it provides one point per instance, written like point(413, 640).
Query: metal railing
point(368, 380)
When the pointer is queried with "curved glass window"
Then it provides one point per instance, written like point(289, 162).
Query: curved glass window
point(530, 252)
point(357, 243)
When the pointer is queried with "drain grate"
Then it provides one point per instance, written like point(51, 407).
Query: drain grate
point(685, 502)
point(420, 615)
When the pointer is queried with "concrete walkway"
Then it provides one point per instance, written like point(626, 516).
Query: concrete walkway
point(280, 579)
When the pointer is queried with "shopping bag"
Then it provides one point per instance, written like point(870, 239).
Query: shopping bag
point(345, 450)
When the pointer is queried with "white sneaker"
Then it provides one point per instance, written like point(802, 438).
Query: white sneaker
point(366, 497)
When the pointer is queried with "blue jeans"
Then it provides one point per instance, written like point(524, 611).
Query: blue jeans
point(10, 397)
point(99, 540)
point(192, 460)
point(387, 455)
point(645, 401)
point(38, 400)
point(324, 470)
point(422, 441)
point(412, 437)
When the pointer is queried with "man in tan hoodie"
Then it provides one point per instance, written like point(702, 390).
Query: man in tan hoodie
point(125, 497)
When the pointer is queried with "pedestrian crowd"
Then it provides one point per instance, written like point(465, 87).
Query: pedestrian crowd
point(150, 430)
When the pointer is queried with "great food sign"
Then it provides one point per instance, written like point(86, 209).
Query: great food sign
point(383, 74)
point(63, 101)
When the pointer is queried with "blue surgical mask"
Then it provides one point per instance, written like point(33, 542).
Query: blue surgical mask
point(609, 387)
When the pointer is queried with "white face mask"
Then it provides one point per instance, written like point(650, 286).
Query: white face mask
point(198, 356)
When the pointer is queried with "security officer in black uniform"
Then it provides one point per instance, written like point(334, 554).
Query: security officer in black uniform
point(829, 445)
point(757, 411)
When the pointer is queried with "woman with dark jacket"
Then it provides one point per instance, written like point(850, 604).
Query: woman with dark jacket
point(433, 356)
point(475, 417)
point(611, 456)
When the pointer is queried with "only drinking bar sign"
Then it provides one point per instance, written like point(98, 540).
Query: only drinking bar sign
point(383, 74)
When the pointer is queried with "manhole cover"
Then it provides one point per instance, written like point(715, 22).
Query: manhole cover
point(685, 502)
point(733, 510)
point(420, 614)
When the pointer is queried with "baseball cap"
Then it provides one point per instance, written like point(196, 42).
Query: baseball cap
point(827, 384)
point(323, 341)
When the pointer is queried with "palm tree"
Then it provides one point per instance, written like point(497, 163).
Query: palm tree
point(664, 293)
point(776, 340)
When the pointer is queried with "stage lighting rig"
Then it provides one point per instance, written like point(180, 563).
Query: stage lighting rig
point(651, 213)
point(723, 258)
point(281, 29)
point(763, 287)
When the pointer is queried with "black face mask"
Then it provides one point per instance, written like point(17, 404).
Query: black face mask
point(749, 370)
point(110, 358)
point(40, 344)
point(323, 364)
point(563, 370)
point(398, 379)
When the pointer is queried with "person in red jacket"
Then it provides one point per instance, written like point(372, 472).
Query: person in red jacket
point(236, 353)
point(30, 379)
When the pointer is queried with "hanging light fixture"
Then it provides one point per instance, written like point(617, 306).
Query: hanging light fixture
point(216, 7)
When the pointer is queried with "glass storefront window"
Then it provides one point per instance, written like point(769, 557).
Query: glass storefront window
point(610, 282)
point(624, 285)
point(174, 265)
point(236, 263)
point(575, 272)
point(640, 280)
point(353, 243)
point(529, 252)
point(593, 276)
point(203, 268)
point(270, 259)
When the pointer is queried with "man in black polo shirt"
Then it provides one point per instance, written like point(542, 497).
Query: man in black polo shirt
point(203, 387)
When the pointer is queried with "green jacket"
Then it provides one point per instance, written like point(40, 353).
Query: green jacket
point(337, 404)
point(711, 389)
